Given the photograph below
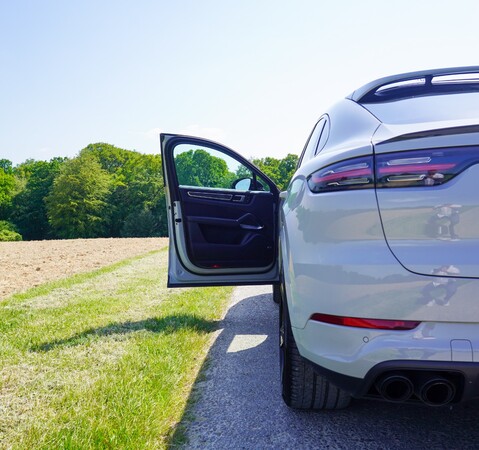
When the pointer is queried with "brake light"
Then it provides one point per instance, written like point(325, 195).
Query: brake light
point(402, 169)
point(356, 173)
point(356, 322)
point(424, 167)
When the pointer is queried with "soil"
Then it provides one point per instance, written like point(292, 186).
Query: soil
point(27, 264)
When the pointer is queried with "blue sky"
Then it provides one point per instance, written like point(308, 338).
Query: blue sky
point(254, 75)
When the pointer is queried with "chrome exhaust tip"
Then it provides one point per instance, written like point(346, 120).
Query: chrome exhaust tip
point(395, 387)
point(437, 391)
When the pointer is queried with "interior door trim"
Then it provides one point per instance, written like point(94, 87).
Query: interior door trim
point(211, 195)
point(185, 260)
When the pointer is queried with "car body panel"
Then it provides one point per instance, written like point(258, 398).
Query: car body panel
point(346, 268)
point(433, 230)
point(352, 128)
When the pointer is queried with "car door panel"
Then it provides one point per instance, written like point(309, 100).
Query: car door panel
point(219, 235)
point(222, 233)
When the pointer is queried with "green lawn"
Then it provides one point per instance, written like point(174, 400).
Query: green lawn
point(102, 360)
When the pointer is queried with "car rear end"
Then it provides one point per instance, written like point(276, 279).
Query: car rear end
point(384, 294)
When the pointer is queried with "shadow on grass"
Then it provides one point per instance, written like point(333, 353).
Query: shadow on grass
point(167, 325)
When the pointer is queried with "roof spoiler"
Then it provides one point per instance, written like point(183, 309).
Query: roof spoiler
point(369, 93)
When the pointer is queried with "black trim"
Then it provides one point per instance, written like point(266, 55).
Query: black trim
point(403, 92)
point(464, 374)
point(367, 93)
point(432, 133)
point(219, 283)
point(347, 383)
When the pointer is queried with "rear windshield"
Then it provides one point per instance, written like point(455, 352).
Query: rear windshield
point(427, 109)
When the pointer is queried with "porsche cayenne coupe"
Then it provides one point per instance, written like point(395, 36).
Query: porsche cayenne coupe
point(373, 250)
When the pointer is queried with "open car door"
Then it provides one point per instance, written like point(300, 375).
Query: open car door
point(222, 215)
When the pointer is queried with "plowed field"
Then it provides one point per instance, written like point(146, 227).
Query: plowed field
point(27, 264)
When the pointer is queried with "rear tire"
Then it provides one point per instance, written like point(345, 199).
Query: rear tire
point(302, 388)
point(277, 293)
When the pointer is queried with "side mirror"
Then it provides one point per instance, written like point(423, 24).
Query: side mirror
point(247, 184)
point(243, 184)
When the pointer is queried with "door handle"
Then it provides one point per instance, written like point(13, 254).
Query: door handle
point(249, 222)
point(239, 198)
point(251, 227)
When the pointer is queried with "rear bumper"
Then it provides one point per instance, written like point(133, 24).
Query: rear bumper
point(462, 375)
point(355, 351)
point(361, 360)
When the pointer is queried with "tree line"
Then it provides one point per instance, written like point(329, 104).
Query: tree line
point(105, 191)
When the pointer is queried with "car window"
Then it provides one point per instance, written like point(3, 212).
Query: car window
point(310, 148)
point(200, 166)
point(324, 135)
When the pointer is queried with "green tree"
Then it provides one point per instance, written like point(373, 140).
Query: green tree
point(286, 168)
point(137, 200)
point(24, 170)
point(29, 209)
point(8, 188)
point(145, 195)
point(279, 170)
point(140, 224)
point(118, 162)
point(76, 205)
point(269, 166)
point(199, 168)
point(6, 165)
point(8, 232)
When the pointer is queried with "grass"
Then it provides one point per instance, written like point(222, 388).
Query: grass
point(102, 360)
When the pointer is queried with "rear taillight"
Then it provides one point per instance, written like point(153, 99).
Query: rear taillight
point(354, 173)
point(424, 167)
point(399, 169)
point(358, 322)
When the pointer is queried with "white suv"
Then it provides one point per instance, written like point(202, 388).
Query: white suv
point(373, 250)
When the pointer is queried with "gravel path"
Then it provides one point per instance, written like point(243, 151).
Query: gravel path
point(240, 405)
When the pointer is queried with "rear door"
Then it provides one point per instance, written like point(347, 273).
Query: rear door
point(222, 215)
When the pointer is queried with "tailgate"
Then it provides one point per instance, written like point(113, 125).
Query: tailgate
point(428, 198)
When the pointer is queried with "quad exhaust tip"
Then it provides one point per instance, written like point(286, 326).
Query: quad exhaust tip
point(433, 390)
point(395, 388)
point(437, 391)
